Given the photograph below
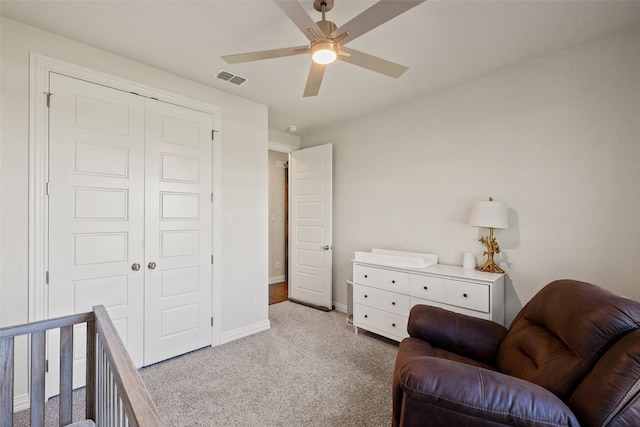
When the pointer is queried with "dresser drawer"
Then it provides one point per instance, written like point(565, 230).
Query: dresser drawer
point(473, 296)
point(427, 287)
point(381, 299)
point(364, 275)
point(380, 321)
point(390, 280)
point(394, 281)
point(450, 307)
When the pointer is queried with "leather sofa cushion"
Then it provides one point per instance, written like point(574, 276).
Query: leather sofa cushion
point(428, 389)
point(562, 331)
point(610, 394)
point(476, 339)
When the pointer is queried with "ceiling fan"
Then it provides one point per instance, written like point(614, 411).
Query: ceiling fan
point(326, 40)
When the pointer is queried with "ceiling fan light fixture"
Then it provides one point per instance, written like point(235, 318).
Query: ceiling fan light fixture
point(324, 52)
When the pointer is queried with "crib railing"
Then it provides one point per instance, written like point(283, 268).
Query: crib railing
point(115, 394)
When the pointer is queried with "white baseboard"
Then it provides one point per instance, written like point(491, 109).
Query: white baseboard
point(21, 402)
point(342, 308)
point(245, 331)
point(277, 279)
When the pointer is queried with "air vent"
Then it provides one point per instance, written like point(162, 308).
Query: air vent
point(231, 78)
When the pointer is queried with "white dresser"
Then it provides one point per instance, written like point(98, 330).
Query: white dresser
point(383, 295)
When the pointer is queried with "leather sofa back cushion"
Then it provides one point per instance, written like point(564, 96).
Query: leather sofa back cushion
point(610, 394)
point(559, 335)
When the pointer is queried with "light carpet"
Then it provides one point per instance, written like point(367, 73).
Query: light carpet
point(309, 369)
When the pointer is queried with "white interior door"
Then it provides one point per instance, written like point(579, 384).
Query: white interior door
point(178, 231)
point(96, 206)
point(310, 243)
point(129, 220)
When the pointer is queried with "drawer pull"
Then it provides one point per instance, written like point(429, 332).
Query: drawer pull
point(425, 287)
point(366, 296)
point(366, 315)
point(465, 295)
point(393, 281)
point(365, 276)
point(393, 324)
point(393, 303)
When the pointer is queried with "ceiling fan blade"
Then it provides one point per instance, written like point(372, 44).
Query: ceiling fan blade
point(376, 15)
point(372, 63)
point(316, 73)
point(265, 54)
point(295, 12)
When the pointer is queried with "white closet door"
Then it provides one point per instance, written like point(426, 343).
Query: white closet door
point(178, 231)
point(129, 220)
point(96, 206)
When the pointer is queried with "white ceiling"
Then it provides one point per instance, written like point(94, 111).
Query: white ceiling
point(443, 42)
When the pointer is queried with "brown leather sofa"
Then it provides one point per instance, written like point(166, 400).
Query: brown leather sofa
point(570, 358)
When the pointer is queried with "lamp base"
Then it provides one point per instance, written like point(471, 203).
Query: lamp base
point(490, 267)
point(492, 248)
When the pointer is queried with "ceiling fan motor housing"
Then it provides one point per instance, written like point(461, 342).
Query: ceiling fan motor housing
point(327, 27)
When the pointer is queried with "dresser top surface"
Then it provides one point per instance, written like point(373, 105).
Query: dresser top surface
point(442, 270)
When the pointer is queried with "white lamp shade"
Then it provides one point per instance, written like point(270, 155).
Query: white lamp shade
point(489, 214)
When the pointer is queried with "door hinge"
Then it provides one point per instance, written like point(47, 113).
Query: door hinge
point(48, 98)
point(46, 189)
point(211, 197)
point(212, 321)
point(46, 277)
point(212, 259)
point(213, 134)
point(46, 365)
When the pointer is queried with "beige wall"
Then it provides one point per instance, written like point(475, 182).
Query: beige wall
point(556, 139)
point(243, 258)
point(277, 177)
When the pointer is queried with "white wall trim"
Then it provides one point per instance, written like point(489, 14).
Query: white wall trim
point(277, 279)
point(40, 67)
point(21, 402)
point(339, 307)
point(245, 331)
point(283, 148)
point(38, 172)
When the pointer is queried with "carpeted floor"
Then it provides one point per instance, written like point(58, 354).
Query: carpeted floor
point(309, 369)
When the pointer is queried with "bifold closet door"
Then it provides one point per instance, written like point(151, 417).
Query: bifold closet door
point(96, 212)
point(129, 219)
point(177, 231)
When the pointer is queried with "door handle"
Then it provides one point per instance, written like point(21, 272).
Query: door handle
point(326, 247)
point(151, 265)
point(135, 267)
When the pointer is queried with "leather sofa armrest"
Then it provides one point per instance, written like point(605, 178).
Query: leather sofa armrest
point(434, 391)
point(467, 336)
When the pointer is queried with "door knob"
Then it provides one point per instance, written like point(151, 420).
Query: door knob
point(326, 247)
point(135, 267)
point(151, 265)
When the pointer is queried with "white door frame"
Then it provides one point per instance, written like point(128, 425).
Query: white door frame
point(40, 67)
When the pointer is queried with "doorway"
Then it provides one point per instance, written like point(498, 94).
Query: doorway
point(278, 226)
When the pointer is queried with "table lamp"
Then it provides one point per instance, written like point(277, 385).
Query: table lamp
point(489, 214)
